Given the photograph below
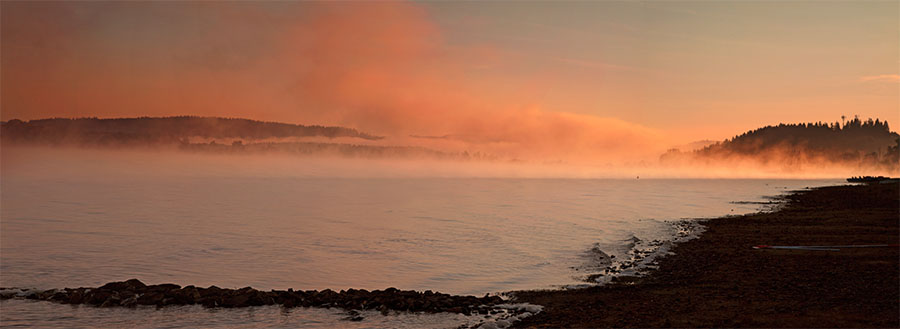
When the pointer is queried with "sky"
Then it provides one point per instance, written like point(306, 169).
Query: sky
point(546, 80)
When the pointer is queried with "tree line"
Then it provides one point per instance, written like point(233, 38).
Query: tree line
point(860, 142)
point(160, 130)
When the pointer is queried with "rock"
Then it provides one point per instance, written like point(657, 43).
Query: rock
point(111, 301)
point(259, 298)
point(98, 296)
point(164, 287)
point(187, 295)
point(211, 301)
point(46, 294)
point(7, 293)
point(238, 300)
point(211, 291)
point(60, 296)
point(76, 297)
point(133, 285)
point(151, 298)
point(133, 292)
point(129, 302)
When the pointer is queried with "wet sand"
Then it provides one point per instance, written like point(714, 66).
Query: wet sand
point(719, 280)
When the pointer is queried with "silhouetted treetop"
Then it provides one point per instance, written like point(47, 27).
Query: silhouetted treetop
point(854, 136)
point(856, 142)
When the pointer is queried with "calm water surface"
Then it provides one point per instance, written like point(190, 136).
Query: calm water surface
point(63, 225)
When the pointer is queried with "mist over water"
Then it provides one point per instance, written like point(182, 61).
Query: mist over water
point(77, 217)
point(464, 147)
point(83, 218)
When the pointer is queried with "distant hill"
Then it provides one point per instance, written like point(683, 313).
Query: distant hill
point(333, 149)
point(209, 135)
point(155, 131)
point(860, 143)
point(695, 145)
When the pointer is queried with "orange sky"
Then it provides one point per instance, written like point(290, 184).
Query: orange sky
point(551, 81)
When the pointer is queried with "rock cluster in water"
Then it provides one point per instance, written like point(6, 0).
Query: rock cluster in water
point(132, 293)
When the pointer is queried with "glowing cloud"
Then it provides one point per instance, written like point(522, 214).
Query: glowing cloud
point(379, 67)
point(881, 78)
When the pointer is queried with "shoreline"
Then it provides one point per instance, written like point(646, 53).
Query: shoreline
point(716, 280)
point(719, 280)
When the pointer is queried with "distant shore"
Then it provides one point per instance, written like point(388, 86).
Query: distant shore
point(720, 280)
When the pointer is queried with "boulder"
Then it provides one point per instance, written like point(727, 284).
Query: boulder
point(133, 292)
point(151, 298)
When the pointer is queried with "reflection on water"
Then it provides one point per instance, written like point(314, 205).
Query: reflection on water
point(85, 222)
point(27, 314)
point(467, 236)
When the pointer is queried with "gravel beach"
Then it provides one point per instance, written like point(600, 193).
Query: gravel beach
point(720, 280)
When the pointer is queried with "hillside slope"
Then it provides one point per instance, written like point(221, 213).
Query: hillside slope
point(163, 130)
point(857, 143)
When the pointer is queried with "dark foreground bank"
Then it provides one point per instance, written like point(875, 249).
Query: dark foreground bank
point(719, 280)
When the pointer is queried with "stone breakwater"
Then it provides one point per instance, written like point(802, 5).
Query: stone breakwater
point(132, 293)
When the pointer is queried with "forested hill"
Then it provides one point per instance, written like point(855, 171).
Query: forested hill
point(855, 136)
point(867, 142)
point(149, 130)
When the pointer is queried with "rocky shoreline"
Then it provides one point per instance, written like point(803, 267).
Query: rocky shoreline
point(132, 293)
point(641, 259)
point(720, 280)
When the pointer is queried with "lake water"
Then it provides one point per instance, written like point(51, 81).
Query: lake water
point(84, 221)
